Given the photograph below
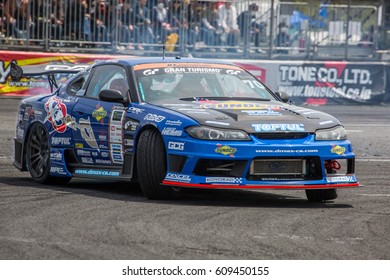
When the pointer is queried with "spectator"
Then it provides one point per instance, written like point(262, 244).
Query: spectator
point(99, 18)
point(194, 15)
point(18, 19)
point(209, 24)
point(128, 31)
point(282, 38)
point(247, 21)
point(142, 19)
point(55, 19)
point(228, 22)
point(159, 21)
point(76, 14)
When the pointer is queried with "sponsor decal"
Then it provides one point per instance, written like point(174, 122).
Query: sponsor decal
point(233, 72)
point(178, 177)
point(176, 123)
point(116, 153)
point(28, 111)
point(230, 180)
point(217, 123)
point(60, 141)
point(134, 110)
point(87, 160)
point(104, 154)
point(131, 125)
point(70, 99)
point(56, 156)
point(60, 120)
point(195, 111)
point(116, 133)
point(129, 142)
point(79, 145)
point(83, 153)
point(225, 150)
point(95, 154)
point(149, 72)
point(338, 179)
point(56, 114)
point(87, 133)
point(57, 170)
point(338, 150)
point(192, 70)
point(268, 112)
point(154, 118)
point(102, 137)
point(279, 127)
point(171, 131)
point(238, 105)
point(117, 115)
point(179, 146)
point(96, 172)
point(103, 161)
point(280, 179)
point(99, 114)
point(77, 67)
point(288, 151)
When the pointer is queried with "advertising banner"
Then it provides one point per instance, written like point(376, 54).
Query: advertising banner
point(333, 82)
point(37, 85)
point(316, 83)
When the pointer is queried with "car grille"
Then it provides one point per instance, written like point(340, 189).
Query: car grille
point(281, 168)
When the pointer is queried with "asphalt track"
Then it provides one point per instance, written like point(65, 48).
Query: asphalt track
point(106, 220)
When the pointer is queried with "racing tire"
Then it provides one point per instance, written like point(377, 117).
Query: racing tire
point(152, 166)
point(321, 195)
point(38, 157)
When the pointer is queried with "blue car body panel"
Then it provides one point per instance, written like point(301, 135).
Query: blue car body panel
point(98, 139)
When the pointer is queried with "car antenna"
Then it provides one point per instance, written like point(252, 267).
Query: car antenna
point(164, 51)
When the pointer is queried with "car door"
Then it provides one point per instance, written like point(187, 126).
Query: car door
point(98, 136)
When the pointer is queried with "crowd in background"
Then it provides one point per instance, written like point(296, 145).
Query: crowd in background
point(135, 24)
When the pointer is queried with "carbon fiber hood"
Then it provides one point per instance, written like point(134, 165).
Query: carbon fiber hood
point(262, 116)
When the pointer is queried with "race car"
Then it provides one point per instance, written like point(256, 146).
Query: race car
point(175, 123)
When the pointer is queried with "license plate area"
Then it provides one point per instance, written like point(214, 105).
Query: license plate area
point(278, 167)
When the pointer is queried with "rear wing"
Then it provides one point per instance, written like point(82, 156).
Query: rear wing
point(49, 70)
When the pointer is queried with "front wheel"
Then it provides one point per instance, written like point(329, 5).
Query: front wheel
point(38, 157)
point(321, 195)
point(152, 166)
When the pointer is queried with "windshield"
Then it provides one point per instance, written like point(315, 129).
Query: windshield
point(193, 81)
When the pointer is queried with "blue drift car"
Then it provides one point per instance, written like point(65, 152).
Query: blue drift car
point(174, 123)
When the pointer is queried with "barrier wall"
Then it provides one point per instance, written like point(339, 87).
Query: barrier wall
point(320, 83)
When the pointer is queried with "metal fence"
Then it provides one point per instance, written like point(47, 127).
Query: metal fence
point(263, 29)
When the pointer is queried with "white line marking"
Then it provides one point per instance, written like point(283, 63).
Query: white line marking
point(373, 159)
point(374, 194)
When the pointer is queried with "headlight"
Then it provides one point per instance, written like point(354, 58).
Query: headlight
point(210, 133)
point(335, 133)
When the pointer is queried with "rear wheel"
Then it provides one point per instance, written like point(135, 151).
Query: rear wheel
point(321, 195)
point(38, 157)
point(152, 166)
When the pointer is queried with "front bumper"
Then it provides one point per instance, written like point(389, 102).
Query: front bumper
point(323, 155)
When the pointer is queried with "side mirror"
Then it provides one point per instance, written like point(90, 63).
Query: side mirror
point(113, 95)
point(282, 95)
